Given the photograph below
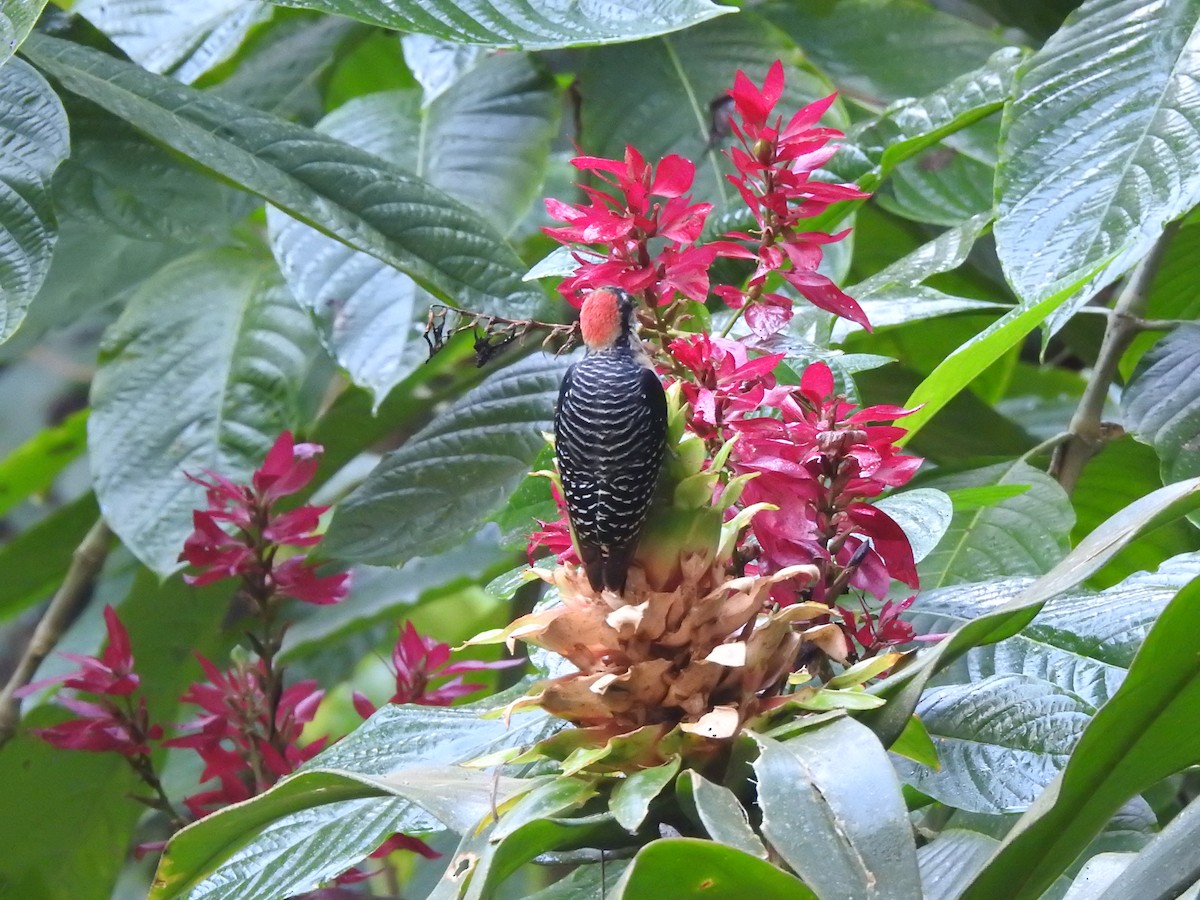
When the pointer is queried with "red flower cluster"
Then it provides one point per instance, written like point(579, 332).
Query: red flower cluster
point(244, 746)
point(628, 226)
point(727, 384)
point(818, 463)
point(419, 659)
point(260, 531)
point(114, 723)
point(775, 164)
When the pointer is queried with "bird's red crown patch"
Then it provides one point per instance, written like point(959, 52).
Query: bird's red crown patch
point(600, 318)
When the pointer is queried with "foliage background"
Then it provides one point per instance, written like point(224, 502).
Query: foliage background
point(223, 218)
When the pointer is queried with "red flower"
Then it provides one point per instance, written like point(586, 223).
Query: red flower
point(727, 384)
point(818, 463)
point(775, 165)
point(118, 725)
point(250, 551)
point(417, 660)
point(626, 222)
point(243, 747)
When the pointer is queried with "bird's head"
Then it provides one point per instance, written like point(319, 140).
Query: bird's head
point(606, 318)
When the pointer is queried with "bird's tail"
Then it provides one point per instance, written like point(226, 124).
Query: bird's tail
point(606, 567)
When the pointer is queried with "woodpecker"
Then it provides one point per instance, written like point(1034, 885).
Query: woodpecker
point(610, 431)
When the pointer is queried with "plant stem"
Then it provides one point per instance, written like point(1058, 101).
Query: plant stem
point(70, 599)
point(1087, 433)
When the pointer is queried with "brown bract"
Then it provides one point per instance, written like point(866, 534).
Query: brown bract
point(700, 656)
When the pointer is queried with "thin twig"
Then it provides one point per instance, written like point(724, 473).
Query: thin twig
point(1087, 431)
point(68, 602)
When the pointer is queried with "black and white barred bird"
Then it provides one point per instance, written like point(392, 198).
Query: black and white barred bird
point(610, 433)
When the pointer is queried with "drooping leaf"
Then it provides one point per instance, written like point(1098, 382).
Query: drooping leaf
point(483, 141)
point(631, 799)
point(832, 810)
point(1082, 641)
point(904, 687)
point(717, 810)
point(202, 371)
point(436, 488)
point(33, 142)
point(345, 192)
point(1161, 405)
point(1016, 728)
point(1024, 534)
point(524, 24)
point(117, 180)
point(691, 869)
point(690, 71)
point(181, 40)
point(1074, 197)
point(1142, 735)
point(1167, 866)
point(226, 853)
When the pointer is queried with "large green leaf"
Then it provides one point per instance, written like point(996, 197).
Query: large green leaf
point(689, 71)
point(453, 474)
point(202, 371)
point(183, 40)
point(17, 18)
point(524, 24)
point(1161, 405)
point(941, 187)
point(1082, 641)
point(1143, 734)
point(484, 141)
point(687, 868)
point(879, 51)
point(268, 847)
point(904, 687)
point(832, 810)
point(33, 141)
point(950, 860)
point(345, 192)
point(1099, 148)
point(117, 180)
point(1016, 728)
point(1025, 534)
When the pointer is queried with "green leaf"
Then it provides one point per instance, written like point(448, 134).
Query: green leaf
point(1075, 198)
point(1167, 866)
point(1025, 534)
point(35, 561)
point(1017, 729)
point(183, 41)
point(453, 473)
point(1082, 641)
point(117, 180)
point(950, 860)
point(31, 468)
point(686, 868)
point(924, 514)
point(832, 809)
point(904, 687)
point(915, 743)
point(689, 71)
point(345, 192)
point(1171, 294)
point(33, 142)
point(717, 810)
point(305, 845)
point(523, 24)
point(879, 51)
point(946, 252)
point(1161, 406)
point(970, 360)
point(17, 18)
point(940, 187)
point(203, 370)
point(632, 797)
point(485, 142)
point(1143, 734)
